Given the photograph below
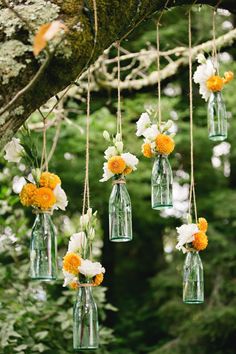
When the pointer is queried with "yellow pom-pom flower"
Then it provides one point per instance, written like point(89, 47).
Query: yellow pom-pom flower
point(228, 76)
point(127, 170)
point(164, 144)
point(71, 262)
point(116, 165)
point(27, 194)
point(147, 151)
point(215, 83)
point(200, 241)
point(49, 180)
point(202, 224)
point(74, 285)
point(98, 279)
point(43, 198)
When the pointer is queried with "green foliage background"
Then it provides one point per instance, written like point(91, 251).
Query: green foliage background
point(144, 277)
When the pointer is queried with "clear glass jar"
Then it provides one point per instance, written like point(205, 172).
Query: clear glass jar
point(120, 213)
point(162, 181)
point(217, 117)
point(43, 248)
point(85, 320)
point(193, 281)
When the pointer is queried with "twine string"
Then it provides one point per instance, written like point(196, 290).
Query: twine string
point(192, 194)
point(86, 195)
point(158, 62)
point(119, 181)
point(214, 48)
point(119, 116)
point(44, 157)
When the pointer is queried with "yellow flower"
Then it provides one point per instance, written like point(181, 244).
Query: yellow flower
point(215, 83)
point(200, 241)
point(74, 285)
point(164, 144)
point(127, 170)
point(228, 76)
point(49, 180)
point(27, 194)
point(146, 150)
point(116, 165)
point(44, 198)
point(202, 224)
point(71, 262)
point(98, 279)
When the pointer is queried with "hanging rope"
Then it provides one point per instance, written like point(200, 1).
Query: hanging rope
point(192, 194)
point(214, 48)
point(118, 115)
point(86, 196)
point(44, 157)
point(158, 62)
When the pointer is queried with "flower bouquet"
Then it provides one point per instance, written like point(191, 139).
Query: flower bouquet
point(210, 86)
point(42, 191)
point(158, 144)
point(192, 238)
point(117, 167)
point(81, 273)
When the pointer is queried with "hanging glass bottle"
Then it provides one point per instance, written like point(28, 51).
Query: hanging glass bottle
point(85, 320)
point(120, 213)
point(217, 117)
point(162, 180)
point(43, 248)
point(193, 282)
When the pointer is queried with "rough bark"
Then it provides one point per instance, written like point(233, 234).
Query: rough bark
point(115, 19)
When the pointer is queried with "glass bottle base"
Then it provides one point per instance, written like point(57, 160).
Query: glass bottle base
point(193, 302)
point(43, 278)
point(121, 239)
point(217, 137)
point(162, 206)
point(77, 350)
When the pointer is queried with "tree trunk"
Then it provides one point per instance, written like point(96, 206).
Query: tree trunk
point(18, 66)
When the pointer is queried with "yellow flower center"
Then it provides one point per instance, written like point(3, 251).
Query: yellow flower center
point(116, 165)
point(164, 144)
point(215, 83)
point(146, 150)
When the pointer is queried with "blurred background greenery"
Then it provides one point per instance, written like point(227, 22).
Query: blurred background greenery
point(140, 304)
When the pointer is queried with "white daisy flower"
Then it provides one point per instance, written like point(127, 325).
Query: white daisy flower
point(90, 269)
point(13, 151)
point(143, 123)
point(130, 160)
point(151, 133)
point(201, 75)
point(110, 151)
point(61, 198)
point(185, 235)
point(107, 174)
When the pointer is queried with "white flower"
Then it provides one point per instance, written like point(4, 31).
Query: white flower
point(119, 146)
point(91, 233)
point(201, 75)
point(61, 198)
point(106, 135)
point(166, 126)
point(201, 58)
point(90, 269)
point(151, 133)
point(130, 160)
point(143, 123)
point(107, 174)
point(18, 184)
point(110, 151)
point(13, 151)
point(77, 241)
point(68, 278)
point(84, 219)
point(185, 235)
